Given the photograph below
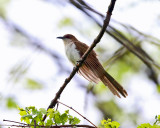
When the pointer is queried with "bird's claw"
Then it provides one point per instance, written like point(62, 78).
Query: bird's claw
point(79, 61)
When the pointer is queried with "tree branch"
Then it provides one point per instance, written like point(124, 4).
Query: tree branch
point(23, 125)
point(58, 126)
point(77, 113)
point(95, 42)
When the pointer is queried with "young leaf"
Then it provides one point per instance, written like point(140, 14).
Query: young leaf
point(56, 117)
point(64, 118)
point(73, 120)
point(145, 125)
point(49, 122)
point(22, 113)
point(43, 110)
point(109, 124)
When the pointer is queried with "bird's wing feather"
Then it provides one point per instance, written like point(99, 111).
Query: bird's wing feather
point(83, 48)
point(85, 70)
point(88, 74)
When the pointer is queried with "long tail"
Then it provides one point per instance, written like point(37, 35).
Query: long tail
point(113, 85)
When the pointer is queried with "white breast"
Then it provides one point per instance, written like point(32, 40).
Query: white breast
point(72, 53)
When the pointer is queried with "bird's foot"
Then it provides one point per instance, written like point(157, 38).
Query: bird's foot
point(79, 61)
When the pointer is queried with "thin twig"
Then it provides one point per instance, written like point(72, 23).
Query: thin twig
point(29, 125)
point(95, 42)
point(34, 123)
point(14, 122)
point(78, 113)
point(6, 125)
point(59, 126)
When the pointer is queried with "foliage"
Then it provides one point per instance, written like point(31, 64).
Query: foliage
point(67, 21)
point(113, 124)
point(31, 114)
point(3, 4)
point(11, 103)
point(155, 125)
point(109, 124)
point(33, 84)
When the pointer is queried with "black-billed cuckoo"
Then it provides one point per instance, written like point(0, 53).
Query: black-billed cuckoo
point(91, 69)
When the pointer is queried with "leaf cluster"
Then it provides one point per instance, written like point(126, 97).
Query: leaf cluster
point(113, 124)
point(155, 125)
point(32, 115)
point(109, 124)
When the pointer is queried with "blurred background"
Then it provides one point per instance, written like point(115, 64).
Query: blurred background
point(34, 66)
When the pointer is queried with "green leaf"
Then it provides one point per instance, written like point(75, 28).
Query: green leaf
point(115, 124)
point(33, 84)
point(64, 118)
point(34, 111)
point(65, 22)
point(27, 120)
point(158, 88)
point(22, 113)
point(73, 120)
point(11, 103)
point(43, 110)
point(3, 8)
point(67, 111)
point(31, 107)
point(27, 116)
point(109, 124)
point(56, 117)
point(50, 113)
point(49, 122)
point(145, 125)
point(158, 117)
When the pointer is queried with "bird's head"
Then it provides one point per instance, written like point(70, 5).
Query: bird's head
point(67, 38)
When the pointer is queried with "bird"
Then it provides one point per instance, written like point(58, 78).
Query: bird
point(91, 69)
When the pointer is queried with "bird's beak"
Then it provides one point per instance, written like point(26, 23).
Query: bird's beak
point(61, 37)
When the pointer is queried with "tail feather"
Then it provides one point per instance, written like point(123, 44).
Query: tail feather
point(113, 85)
point(110, 86)
point(108, 80)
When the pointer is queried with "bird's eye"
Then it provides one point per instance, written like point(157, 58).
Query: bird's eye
point(67, 36)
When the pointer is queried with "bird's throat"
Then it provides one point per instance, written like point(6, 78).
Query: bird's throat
point(72, 53)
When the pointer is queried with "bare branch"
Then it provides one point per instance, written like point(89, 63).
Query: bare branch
point(78, 113)
point(58, 126)
point(14, 122)
point(23, 125)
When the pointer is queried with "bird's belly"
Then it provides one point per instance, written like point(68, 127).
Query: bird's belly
point(72, 53)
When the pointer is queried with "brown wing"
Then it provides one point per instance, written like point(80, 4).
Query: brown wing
point(85, 70)
point(88, 74)
point(82, 48)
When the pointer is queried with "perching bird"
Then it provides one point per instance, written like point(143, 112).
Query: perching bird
point(91, 69)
